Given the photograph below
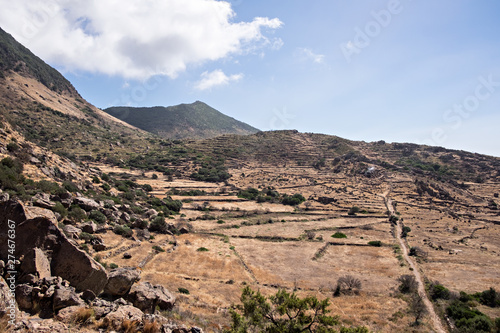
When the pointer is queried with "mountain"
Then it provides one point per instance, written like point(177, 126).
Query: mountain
point(184, 121)
point(43, 106)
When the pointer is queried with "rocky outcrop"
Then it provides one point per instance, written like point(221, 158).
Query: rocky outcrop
point(126, 312)
point(120, 281)
point(86, 203)
point(66, 260)
point(65, 297)
point(147, 297)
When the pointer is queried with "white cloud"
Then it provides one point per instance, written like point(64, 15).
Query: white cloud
point(307, 54)
point(216, 78)
point(132, 38)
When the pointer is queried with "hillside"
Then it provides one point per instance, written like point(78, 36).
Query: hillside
point(399, 237)
point(184, 121)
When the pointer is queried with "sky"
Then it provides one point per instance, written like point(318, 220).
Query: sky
point(425, 71)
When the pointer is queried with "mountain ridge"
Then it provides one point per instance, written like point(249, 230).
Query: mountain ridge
point(194, 121)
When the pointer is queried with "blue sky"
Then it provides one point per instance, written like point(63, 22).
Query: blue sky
point(401, 71)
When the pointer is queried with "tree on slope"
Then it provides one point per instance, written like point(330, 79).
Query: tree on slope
point(284, 313)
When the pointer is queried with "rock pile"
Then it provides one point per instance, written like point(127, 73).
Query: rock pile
point(61, 283)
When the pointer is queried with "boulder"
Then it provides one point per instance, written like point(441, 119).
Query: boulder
point(127, 312)
point(24, 297)
point(86, 203)
point(43, 200)
point(88, 295)
point(120, 280)
point(147, 297)
point(67, 314)
point(89, 227)
point(66, 259)
point(152, 213)
point(102, 307)
point(64, 297)
point(36, 262)
point(79, 268)
point(72, 232)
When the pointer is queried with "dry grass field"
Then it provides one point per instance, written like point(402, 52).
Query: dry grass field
point(270, 246)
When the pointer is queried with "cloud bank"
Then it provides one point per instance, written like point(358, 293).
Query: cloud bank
point(134, 39)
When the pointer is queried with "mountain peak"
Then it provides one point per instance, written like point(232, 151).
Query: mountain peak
point(197, 120)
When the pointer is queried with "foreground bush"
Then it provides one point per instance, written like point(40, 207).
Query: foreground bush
point(284, 313)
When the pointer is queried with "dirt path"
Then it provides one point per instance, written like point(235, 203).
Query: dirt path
point(436, 321)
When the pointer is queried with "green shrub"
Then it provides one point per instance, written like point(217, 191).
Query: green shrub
point(339, 235)
point(353, 210)
point(11, 177)
point(77, 214)
point(158, 248)
point(97, 216)
point(202, 249)
point(60, 209)
point(220, 222)
point(123, 230)
point(438, 291)
point(113, 265)
point(293, 200)
point(183, 290)
point(158, 224)
point(70, 186)
point(86, 236)
point(405, 231)
point(12, 147)
point(284, 312)
point(375, 243)
point(147, 187)
point(490, 298)
point(249, 194)
point(106, 187)
point(173, 205)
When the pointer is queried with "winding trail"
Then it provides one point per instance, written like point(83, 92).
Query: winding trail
point(436, 321)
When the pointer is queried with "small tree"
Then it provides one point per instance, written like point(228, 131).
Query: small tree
point(158, 224)
point(348, 285)
point(408, 284)
point(282, 313)
point(417, 308)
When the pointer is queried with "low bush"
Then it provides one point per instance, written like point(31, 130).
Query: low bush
point(183, 290)
point(123, 230)
point(97, 216)
point(375, 243)
point(339, 235)
point(438, 291)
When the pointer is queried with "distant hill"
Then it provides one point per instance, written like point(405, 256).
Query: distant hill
point(191, 121)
